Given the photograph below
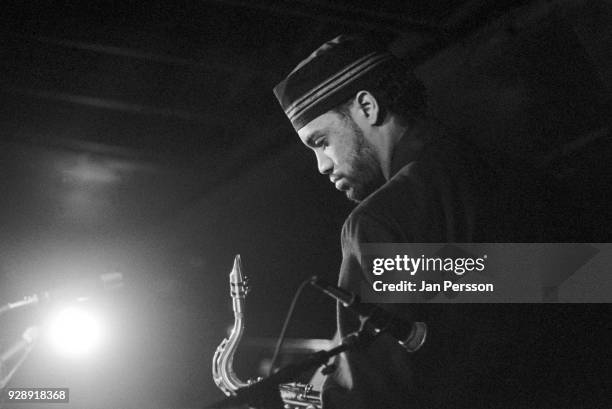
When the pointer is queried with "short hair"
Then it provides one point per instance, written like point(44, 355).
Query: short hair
point(399, 92)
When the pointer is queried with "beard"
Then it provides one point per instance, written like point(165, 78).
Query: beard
point(364, 173)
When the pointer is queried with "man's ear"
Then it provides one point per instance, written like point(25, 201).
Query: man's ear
point(369, 108)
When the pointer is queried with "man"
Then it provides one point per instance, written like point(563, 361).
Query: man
point(363, 115)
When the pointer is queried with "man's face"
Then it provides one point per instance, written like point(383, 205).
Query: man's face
point(344, 154)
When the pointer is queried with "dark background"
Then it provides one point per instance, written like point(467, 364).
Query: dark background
point(144, 138)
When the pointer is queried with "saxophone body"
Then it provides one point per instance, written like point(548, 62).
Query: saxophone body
point(294, 395)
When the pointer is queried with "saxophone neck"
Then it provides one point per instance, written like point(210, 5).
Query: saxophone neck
point(223, 365)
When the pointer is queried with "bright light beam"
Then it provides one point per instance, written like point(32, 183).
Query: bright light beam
point(74, 332)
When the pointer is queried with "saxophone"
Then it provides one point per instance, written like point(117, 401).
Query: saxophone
point(294, 395)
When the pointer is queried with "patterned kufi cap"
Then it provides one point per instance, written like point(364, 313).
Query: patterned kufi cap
point(331, 76)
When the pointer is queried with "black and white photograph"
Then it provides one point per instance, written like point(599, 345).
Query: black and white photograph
point(306, 204)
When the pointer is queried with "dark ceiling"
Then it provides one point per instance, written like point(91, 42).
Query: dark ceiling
point(185, 81)
point(145, 138)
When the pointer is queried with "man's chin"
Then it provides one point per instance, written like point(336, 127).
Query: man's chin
point(354, 196)
point(359, 193)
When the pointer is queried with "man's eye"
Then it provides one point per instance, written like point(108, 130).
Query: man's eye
point(321, 142)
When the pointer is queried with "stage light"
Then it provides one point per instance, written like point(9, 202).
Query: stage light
point(74, 332)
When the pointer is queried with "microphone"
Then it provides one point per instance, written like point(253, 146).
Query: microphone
point(410, 335)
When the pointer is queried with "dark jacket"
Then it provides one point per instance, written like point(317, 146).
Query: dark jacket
point(476, 355)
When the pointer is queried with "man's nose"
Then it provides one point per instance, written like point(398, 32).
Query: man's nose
point(324, 163)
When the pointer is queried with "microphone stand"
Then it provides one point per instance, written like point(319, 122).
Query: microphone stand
point(265, 393)
point(25, 346)
point(6, 379)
